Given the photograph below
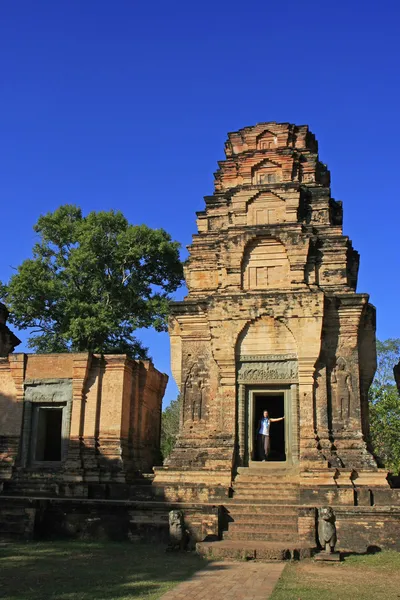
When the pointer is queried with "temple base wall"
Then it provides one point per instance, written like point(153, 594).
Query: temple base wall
point(22, 518)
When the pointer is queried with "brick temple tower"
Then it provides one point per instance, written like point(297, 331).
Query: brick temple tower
point(272, 320)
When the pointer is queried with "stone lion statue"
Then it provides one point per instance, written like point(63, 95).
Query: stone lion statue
point(327, 528)
point(177, 531)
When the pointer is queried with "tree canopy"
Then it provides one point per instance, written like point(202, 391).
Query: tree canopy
point(384, 406)
point(92, 282)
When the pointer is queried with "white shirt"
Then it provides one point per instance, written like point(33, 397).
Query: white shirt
point(264, 429)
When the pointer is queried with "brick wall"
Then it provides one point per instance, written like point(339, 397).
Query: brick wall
point(113, 410)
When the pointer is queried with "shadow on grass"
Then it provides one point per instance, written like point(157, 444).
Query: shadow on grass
point(370, 550)
point(92, 571)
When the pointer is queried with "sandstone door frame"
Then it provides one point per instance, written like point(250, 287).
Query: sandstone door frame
point(269, 391)
point(267, 374)
point(36, 395)
point(247, 393)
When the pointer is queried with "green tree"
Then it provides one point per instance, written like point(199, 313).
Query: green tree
point(384, 406)
point(92, 282)
point(170, 427)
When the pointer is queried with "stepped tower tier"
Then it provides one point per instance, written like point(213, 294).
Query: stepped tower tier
point(272, 319)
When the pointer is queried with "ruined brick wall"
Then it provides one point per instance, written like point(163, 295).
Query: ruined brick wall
point(111, 408)
point(11, 412)
point(8, 341)
point(94, 519)
point(396, 372)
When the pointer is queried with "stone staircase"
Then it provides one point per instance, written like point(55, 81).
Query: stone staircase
point(261, 517)
point(38, 487)
point(263, 505)
point(17, 521)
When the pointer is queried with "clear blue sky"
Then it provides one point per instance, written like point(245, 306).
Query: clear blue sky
point(126, 104)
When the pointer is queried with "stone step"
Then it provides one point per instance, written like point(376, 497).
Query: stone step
point(270, 490)
point(273, 467)
point(266, 478)
point(15, 527)
point(16, 522)
point(30, 488)
point(268, 536)
point(141, 492)
point(265, 494)
point(265, 483)
point(265, 527)
point(257, 501)
point(245, 498)
point(267, 520)
point(275, 510)
point(257, 550)
point(259, 479)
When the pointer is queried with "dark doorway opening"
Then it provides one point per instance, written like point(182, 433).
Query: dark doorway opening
point(49, 434)
point(274, 404)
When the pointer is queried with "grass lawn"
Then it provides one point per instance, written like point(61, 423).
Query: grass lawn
point(91, 571)
point(368, 577)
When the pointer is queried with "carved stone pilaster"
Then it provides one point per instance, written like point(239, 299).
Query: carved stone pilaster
point(73, 468)
point(242, 423)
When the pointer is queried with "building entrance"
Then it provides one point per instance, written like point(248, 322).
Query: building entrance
point(280, 401)
point(48, 438)
point(275, 406)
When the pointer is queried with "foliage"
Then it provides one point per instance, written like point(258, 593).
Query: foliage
point(92, 282)
point(170, 427)
point(384, 406)
point(388, 355)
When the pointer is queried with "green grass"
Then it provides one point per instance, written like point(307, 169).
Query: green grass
point(91, 571)
point(367, 577)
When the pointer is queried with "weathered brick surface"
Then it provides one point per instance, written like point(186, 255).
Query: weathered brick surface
point(103, 519)
point(359, 528)
point(8, 341)
point(113, 414)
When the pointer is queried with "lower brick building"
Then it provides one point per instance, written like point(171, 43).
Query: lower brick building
point(71, 422)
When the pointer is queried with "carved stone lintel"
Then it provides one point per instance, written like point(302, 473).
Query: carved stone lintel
point(267, 357)
point(262, 372)
point(49, 391)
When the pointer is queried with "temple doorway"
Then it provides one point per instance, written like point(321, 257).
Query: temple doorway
point(275, 405)
point(280, 400)
point(48, 433)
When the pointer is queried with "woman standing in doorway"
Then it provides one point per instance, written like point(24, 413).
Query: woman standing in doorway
point(263, 435)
